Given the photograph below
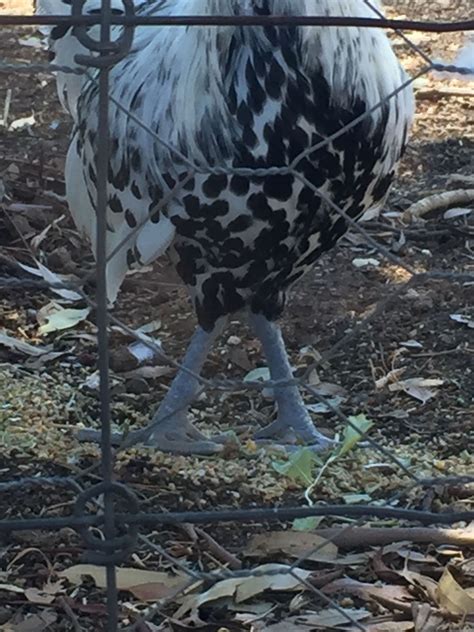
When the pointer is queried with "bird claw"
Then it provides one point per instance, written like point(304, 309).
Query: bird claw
point(181, 437)
point(289, 437)
point(177, 437)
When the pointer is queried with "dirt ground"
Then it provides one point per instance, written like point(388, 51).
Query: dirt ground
point(425, 335)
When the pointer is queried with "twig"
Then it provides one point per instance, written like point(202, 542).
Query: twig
point(69, 611)
point(438, 202)
point(219, 551)
point(380, 536)
point(436, 93)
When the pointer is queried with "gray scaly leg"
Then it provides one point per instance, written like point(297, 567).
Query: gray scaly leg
point(293, 417)
point(170, 429)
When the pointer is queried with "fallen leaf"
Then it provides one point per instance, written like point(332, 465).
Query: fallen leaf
point(36, 595)
point(392, 376)
point(148, 372)
point(328, 389)
point(20, 123)
point(412, 344)
point(276, 577)
point(299, 466)
point(453, 597)
point(426, 618)
point(356, 499)
point(427, 585)
point(54, 317)
point(417, 387)
point(389, 626)
point(149, 328)
point(33, 42)
point(143, 352)
point(292, 543)
point(12, 588)
point(329, 619)
point(464, 320)
point(359, 262)
point(457, 212)
point(34, 622)
point(21, 346)
point(353, 433)
point(306, 524)
point(53, 278)
point(323, 409)
point(47, 594)
point(391, 596)
point(145, 585)
point(258, 375)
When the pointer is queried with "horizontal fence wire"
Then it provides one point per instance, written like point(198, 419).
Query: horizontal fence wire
point(101, 497)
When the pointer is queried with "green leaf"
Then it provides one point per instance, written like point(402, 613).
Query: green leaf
point(258, 375)
point(54, 317)
point(306, 524)
point(299, 466)
point(353, 434)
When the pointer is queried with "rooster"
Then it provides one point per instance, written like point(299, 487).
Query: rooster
point(231, 100)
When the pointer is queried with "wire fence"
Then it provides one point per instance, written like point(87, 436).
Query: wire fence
point(116, 532)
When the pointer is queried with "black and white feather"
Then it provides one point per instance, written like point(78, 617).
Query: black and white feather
point(237, 98)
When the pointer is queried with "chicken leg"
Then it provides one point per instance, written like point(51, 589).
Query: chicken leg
point(293, 421)
point(170, 429)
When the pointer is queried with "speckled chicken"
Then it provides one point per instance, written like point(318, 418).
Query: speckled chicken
point(222, 103)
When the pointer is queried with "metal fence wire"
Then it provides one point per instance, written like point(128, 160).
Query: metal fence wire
point(97, 505)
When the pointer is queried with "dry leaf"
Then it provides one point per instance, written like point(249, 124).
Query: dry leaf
point(329, 619)
point(464, 320)
point(359, 262)
point(427, 585)
point(242, 588)
point(426, 618)
point(53, 278)
point(392, 376)
point(33, 622)
point(292, 543)
point(12, 588)
point(389, 626)
point(21, 346)
point(417, 387)
point(36, 595)
point(328, 389)
point(411, 344)
point(391, 596)
point(148, 372)
point(453, 597)
point(145, 585)
point(45, 595)
point(54, 317)
point(457, 212)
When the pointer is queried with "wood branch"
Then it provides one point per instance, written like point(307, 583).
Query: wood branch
point(219, 551)
point(380, 536)
point(438, 202)
point(443, 92)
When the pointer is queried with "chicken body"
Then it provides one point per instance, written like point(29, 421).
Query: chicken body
point(224, 106)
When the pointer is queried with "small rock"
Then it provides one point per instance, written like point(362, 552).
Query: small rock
point(137, 386)
point(234, 341)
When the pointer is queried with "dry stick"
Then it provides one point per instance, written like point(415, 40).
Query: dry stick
point(381, 536)
point(437, 93)
point(438, 202)
point(219, 551)
point(69, 611)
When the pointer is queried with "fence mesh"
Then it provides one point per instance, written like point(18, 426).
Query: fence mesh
point(116, 519)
